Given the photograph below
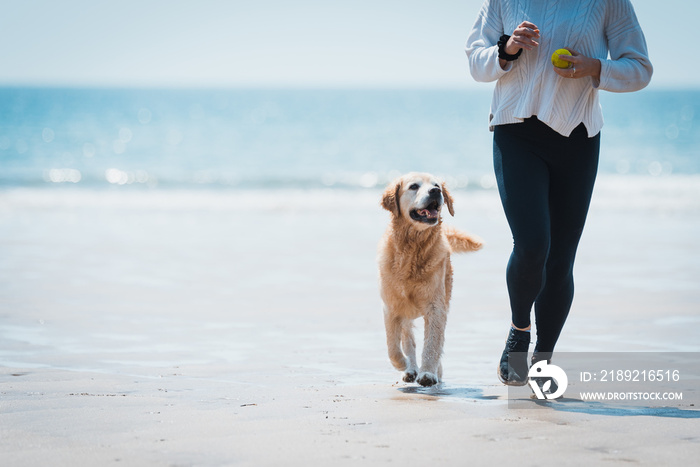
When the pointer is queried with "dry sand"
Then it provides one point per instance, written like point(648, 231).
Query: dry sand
point(172, 328)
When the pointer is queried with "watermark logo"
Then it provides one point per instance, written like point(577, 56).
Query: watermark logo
point(669, 380)
point(544, 378)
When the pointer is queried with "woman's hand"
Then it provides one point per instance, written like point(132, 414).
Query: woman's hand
point(523, 37)
point(582, 66)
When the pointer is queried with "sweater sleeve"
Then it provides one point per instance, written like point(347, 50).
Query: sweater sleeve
point(628, 68)
point(482, 48)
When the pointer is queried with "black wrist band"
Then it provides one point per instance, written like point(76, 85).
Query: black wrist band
point(502, 49)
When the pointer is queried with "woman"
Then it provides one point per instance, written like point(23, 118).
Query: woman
point(546, 123)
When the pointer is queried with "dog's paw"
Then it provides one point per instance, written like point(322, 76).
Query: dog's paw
point(410, 376)
point(427, 379)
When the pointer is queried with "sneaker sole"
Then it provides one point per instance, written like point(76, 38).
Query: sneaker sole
point(506, 382)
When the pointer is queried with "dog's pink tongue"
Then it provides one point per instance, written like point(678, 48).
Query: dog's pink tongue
point(428, 213)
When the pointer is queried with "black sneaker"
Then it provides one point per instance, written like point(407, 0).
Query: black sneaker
point(512, 370)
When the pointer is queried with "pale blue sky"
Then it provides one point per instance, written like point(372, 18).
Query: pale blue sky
point(368, 43)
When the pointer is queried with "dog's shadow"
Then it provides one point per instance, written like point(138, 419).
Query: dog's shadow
point(440, 391)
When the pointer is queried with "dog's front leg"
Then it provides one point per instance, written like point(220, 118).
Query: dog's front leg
point(435, 321)
point(408, 342)
point(394, 326)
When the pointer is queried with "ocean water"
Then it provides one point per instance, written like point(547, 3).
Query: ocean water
point(101, 138)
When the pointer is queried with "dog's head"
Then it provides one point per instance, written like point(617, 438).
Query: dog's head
point(417, 198)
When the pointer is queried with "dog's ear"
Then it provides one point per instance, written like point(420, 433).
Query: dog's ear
point(390, 200)
point(448, 200)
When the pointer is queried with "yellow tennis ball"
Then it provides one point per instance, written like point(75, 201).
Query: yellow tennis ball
point(558, 62)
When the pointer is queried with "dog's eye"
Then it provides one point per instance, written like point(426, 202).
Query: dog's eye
point(414, 186)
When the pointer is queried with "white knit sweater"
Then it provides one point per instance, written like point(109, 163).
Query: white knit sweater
point(529, 86)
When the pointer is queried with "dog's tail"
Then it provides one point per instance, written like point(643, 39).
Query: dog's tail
point(461, 242)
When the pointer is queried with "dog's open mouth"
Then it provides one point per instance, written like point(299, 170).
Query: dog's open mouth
point(428, 214)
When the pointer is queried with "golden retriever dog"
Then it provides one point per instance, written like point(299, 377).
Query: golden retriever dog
point(415, 272)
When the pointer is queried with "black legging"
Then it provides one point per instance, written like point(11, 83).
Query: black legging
point(545, 181)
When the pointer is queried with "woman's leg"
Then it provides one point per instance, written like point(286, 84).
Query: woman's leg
point(523, 184)
point(573, 171)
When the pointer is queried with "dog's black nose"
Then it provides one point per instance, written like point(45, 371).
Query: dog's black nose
point(434, 191)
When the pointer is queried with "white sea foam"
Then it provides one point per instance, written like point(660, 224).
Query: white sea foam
point(677, 193)
point(664, 193)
